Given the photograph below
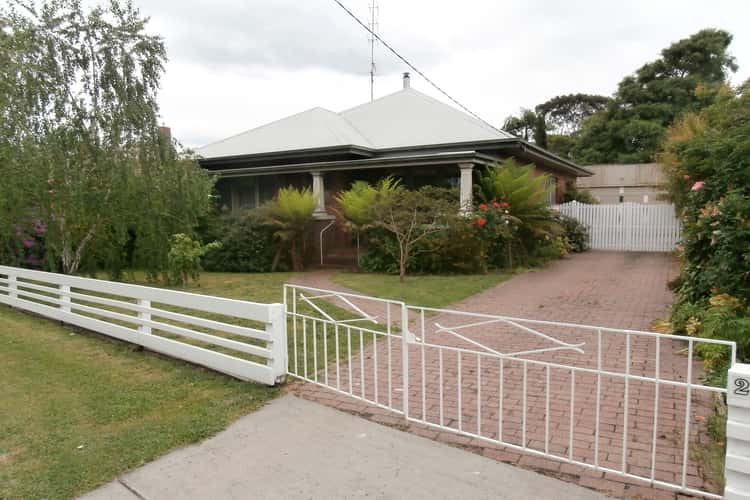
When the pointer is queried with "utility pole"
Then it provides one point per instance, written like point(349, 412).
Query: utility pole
point(374, 11)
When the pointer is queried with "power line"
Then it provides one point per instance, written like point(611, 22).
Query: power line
point(405, 61)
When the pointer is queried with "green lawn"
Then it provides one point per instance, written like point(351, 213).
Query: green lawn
point(255, 287)
point(78, 409)
point(427, 291)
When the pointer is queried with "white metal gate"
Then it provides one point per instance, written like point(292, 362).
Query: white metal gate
point(626, 402)
point(627, 226)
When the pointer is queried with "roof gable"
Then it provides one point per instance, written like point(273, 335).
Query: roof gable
point(411, 118)
point(402, 119)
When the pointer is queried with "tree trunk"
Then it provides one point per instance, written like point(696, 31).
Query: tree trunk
point(296, 258)
point(358, 260)
point(276, 259)
point(402, 260)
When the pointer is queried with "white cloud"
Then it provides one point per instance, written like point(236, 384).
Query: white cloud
point(238, 64)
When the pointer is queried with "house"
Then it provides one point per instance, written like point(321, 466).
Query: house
point(406, 134)
point(618, 183)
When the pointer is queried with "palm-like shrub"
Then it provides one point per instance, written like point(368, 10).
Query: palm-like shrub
point(291, 214)
point(524, 196)
point(356, 203)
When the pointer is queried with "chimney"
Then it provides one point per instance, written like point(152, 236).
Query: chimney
point(407, 80)
point(166, 133)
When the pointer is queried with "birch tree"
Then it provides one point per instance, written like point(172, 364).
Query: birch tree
point(80, 98)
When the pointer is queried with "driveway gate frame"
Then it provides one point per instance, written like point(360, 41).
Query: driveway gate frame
point(391, 351)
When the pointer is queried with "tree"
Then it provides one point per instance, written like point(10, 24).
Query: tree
point(685, 78)
point(411, 217)
point(80, 135)
point(564, 114)
point(560, 116)
point(523, 126)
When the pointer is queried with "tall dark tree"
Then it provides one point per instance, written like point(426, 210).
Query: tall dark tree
point(524, 125)
point(564, 114)
point(685, 78)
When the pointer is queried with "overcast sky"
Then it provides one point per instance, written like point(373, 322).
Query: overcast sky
point(237, 64)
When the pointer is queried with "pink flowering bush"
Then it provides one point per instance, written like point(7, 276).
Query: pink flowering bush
point(706, 158)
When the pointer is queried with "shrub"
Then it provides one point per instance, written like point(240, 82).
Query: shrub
point(456, 249)
point(706, 159)
point(572, 193)
point(722, 317)
point(525, 196)
point(184, 258)
point(291, 214)
point(576, 235)
point(355, 204)
point(708, 170)
point(247, 246)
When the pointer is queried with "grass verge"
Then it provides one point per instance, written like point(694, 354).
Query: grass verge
point(77, 410)
point(421, 290)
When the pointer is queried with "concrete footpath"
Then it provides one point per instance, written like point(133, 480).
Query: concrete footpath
point(296, 449)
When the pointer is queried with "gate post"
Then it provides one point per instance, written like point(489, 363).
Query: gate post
point(276, 328)
point(405, 337)
point(737, 461)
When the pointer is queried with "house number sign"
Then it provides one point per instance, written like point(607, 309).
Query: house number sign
point(741, 386)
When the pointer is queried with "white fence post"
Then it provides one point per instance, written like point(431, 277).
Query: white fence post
point(737, 468)
point(64, 297)
point(276, 328)
point(12, 286)
point(144, 316)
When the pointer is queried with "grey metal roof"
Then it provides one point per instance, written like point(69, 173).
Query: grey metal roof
point(314, 128)
point(402, 119)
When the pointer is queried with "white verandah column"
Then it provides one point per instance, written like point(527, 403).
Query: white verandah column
point(467, 187)
point(319, 193)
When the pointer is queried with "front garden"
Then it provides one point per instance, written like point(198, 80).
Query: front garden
point(404, 231)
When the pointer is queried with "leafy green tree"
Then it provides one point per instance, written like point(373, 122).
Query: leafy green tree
point(412, 217)
point(80, 135)
point(560, 117)
point(685, 78)
point(564, 114)
point(559, 120)
point(524, 125)
point(291, 213)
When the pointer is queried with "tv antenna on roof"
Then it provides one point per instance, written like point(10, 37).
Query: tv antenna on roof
point(374, 10)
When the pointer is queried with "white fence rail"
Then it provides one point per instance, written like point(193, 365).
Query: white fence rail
point(628, 226)
point(243, 339)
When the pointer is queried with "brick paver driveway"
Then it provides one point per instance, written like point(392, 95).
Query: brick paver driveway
point(608, 289)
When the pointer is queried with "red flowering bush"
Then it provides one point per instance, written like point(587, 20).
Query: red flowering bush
point(495, 229)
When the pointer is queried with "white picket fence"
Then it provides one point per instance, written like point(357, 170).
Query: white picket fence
point(628, 226)
point(224, 340)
